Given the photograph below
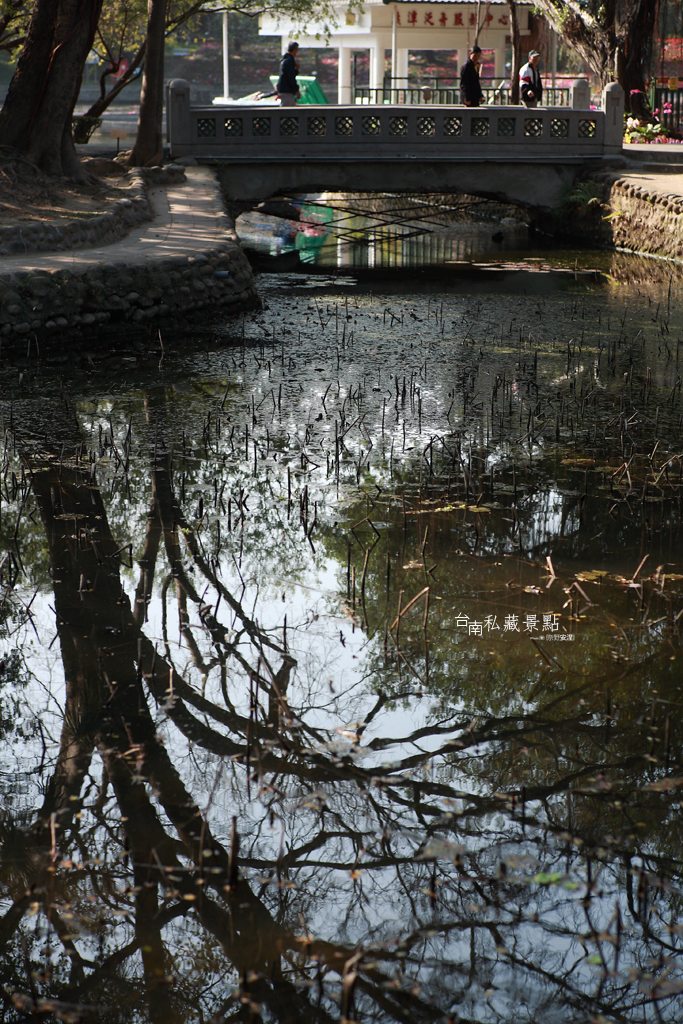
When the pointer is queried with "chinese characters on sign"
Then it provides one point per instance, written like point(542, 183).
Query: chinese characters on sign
point(452, 19)
point(546, 624)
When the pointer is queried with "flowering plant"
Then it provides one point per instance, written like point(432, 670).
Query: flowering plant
point(638, 130)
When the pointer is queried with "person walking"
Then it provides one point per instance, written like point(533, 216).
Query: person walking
point(530, 84)
point(470, 87)
point(286, 88)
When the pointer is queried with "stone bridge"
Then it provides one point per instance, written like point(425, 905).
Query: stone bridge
point(510, 154)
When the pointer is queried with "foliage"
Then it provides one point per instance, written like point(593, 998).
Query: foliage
point(14, 15)
point(583, 195)
point(614, 39)
point(637, 130)
point(649, 129)
point(120, 42)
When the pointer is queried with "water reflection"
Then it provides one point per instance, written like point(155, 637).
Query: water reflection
point(360, 232)
point(258, 764)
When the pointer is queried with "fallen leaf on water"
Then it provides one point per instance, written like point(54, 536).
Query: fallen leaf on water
point(546, 878)
point(457, 507)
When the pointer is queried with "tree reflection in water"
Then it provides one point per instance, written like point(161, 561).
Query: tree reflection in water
point(355, 814)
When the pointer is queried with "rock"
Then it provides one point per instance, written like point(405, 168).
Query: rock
point(103, 167)
point(186, 161)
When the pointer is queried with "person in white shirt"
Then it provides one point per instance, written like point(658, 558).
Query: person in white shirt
point(530, 85)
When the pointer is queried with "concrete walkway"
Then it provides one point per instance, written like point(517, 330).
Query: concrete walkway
point(188, 219)
point(657, 183)
point(657, 168)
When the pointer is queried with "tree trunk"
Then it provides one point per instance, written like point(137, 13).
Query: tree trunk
point(148, 148)
point(632, 69)
point(614, 43)
point(36, 117)
point(516, 59)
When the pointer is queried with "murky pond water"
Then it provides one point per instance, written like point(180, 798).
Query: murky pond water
point(342, 664)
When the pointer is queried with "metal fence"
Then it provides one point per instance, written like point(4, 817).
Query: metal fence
point(496, 93)
point(669, 106)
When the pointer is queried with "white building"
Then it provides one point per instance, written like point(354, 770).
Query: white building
point(401, 26)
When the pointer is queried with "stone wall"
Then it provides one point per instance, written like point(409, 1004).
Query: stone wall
point(622, 214)
point(102, 229)
point(44, 302)
point(635, 218)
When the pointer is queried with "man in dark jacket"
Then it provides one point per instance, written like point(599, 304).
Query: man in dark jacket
point(287, 89)
point(470, 89)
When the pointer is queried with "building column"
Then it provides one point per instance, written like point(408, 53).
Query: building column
point(377, 64)
point(344, 76)
point(402, 67)
point(226, 63)
point(499, 65)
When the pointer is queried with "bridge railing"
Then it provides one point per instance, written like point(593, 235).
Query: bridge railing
point(244, 133)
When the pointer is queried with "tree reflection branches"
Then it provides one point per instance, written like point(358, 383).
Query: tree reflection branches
point(238, 846)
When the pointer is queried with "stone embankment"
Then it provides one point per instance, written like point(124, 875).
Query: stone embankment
point(638, 210)
point(102, 229)
point(185, 258)
point(642, 213)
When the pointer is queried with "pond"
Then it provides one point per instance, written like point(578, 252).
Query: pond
point(342, 670)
